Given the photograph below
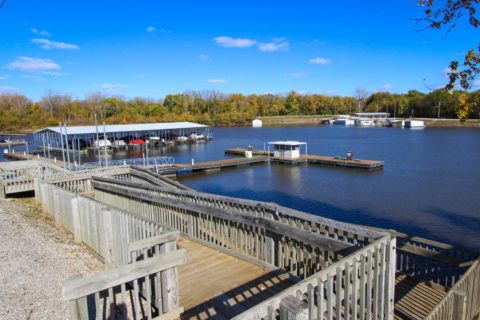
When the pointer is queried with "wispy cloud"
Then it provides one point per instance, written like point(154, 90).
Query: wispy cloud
point(3, 78)
point(153, 30)
point(141, 75)
point(319, 60)
point(331, 92)
point(216, 81)
point(7, 89)
point(476, 83)
point(276, 45)
point(30, 64)
point(44, 33)
point(49, 44)
point(204, 58)
point(298, 74)
point(113, 86)
point(229, 42)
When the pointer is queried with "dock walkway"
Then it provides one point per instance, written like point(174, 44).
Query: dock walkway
point(315, 159)
point(214, 284)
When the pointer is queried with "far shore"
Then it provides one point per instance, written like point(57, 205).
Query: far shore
point(275, 121)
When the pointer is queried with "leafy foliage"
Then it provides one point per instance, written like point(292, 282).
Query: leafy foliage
point(448, 15)
point(215, 108)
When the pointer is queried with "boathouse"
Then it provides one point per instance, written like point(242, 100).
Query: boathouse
point(289, 150)
point(85, 136)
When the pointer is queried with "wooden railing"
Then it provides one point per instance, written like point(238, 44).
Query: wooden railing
point(132, 291)
point(359, 286)
point(91, 223)
point(337, 230)
point(137, 253)
point(463, 300)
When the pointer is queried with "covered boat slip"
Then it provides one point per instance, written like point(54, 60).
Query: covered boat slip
point(243, 259)
point(85, 136)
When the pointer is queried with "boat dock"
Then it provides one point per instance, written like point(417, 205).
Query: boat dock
point(172, 252)
point(315, 159)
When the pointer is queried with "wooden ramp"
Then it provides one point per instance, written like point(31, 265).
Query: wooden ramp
point(216, 285)
point(415, 299)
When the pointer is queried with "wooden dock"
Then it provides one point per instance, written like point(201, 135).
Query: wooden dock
point(218, 164)
point(314, 159)
point(173, 252)
point(214, 284)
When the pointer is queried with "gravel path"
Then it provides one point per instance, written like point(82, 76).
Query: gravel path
point(35, 258)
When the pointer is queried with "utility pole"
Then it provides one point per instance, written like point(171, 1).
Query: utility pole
point(439, 107)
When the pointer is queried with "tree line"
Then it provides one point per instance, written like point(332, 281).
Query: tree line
point(18, 112)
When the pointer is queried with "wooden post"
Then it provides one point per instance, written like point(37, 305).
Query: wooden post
point(78, 308)
point(169, 282)
point(108, 234)
point(459, 304)
point(77, 231)
point(36, 187)
point(2, 191)
point(292, 308)
point(56, 208)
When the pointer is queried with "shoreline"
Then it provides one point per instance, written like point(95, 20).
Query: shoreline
point(275, 121)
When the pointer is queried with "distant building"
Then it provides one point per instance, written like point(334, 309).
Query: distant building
point(257, 123)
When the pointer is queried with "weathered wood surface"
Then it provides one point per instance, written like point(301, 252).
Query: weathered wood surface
point(219, 164)
point(463, 300)
point(114, 277)
point(335, 229)
point(415, 299)
point(216, 285)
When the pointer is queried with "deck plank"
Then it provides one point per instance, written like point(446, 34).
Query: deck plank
point(214, 285)
point(415, 299)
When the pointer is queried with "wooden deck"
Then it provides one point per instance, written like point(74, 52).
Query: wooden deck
point(216, 285)
point(218, 164)
point(315, 159)
point(415, 299)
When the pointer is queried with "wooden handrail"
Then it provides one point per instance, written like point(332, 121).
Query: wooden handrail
point(79, 288)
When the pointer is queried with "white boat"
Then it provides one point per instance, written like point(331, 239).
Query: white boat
point(414, 124)
point(345, 122)
point(364, 122)
point(102, 143)
point(182, 139)
point(196, 137)
point(119, 144)
point(154, 139)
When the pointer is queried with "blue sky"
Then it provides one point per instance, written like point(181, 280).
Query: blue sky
point(152, 48)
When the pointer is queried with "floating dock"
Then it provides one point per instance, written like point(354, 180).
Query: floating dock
point(322, 160)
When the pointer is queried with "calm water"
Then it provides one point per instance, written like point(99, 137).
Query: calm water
point(429, 187)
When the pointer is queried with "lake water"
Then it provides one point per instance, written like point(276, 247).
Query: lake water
point(430, 185)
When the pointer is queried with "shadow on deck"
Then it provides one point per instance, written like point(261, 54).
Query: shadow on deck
point(214, 285)
point(415, 299)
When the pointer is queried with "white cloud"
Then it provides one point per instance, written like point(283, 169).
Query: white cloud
point(274, 46)
point(229, 42)
point(30, 64)
point(150, 29)
point(204, 57)
point(216, 81)
point(141, 75)
point(3, 78)
point(113, 86)
point(7, 89)
point(321, 61)
point(48, 44)
point(476, 83)
point(44, 33)
point(298, 74)
point(331, 92)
